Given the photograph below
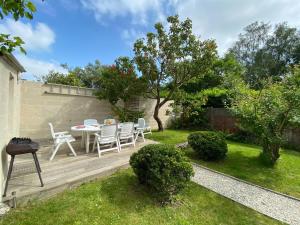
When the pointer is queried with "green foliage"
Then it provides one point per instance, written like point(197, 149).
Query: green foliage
point(269, 111)
point(267, 54)
point(60, 78)
point(162, 168)
point(243, 136)
point(170, 58)
point(17, 9)
point(214, 89)
point(208, 145)
point(125, 115)
point(217, 97)
point(8, 44)
point(89, 76)
point(119, 82)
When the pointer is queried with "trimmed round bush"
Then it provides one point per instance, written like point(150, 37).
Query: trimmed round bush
point(162, 168)
point(208, 145)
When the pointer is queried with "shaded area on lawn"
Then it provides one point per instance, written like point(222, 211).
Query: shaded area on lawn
point(242, 162)
point(120, 200)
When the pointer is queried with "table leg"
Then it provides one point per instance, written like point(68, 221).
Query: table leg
point(82, 139)
point(87, 144)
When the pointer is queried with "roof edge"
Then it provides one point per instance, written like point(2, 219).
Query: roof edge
point(12, 59)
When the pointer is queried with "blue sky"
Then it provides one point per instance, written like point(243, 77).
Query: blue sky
point(77, 32)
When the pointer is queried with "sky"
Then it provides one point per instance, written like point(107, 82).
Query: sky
point(77, 32)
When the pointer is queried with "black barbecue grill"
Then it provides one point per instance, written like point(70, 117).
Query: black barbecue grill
point(19, 146)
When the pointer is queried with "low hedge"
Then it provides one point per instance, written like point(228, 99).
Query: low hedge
point(208, 145)
point(162, 168)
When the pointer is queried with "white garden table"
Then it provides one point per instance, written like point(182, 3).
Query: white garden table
point(86, 131)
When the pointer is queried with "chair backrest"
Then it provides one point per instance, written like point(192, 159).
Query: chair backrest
point(90, 122)
point(109, 131)
point(52, 130)
point(141, 123)
point(109, 121)
point(127, 128)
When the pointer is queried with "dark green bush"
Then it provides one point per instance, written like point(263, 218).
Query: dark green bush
point(208, 145)
point(243, 137)
point(162, 168)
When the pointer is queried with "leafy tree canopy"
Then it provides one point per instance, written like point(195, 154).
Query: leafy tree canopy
point(89, 76)
point(17, 9)
point(171, 57)
point(269, 111)
point(119, 82)
point(267, 52)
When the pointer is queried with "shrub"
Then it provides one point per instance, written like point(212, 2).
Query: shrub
point(162, 168)
point(125, 115)
point(243, 136)
point(208, 145)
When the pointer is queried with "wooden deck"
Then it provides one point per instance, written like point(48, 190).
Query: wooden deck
point(65, 171)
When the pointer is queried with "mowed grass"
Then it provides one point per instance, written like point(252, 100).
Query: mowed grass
point(119, 199)
point(242, 162)
point(170, 136)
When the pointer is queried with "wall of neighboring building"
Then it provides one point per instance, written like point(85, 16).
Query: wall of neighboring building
point(9, 111)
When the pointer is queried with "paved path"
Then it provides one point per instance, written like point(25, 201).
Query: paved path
point(272, 204)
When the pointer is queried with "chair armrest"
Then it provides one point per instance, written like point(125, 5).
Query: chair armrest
point(61, 133)
point(97, 135)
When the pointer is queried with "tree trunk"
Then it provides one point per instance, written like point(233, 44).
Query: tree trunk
point(156, 117)
point(270, 152)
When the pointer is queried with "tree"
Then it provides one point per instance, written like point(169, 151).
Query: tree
point(171, 58)
point(269, 111)
point(17, 9)
point(120, 82)
point(267, 52)
point(60, 78)
point(89, 76)
point(212, 89)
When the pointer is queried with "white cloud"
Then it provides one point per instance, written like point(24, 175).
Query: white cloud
point(224, 20)
point(131, 35)
point(36, 38)
point(214, 19)
point(139, 10)
point(37, 68)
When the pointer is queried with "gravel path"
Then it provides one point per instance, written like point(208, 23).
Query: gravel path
point(272, 204)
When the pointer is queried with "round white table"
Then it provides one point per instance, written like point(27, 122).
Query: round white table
point(87, 130)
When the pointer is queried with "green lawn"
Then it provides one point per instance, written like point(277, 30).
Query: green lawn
point(120, 200)
point(242, 162)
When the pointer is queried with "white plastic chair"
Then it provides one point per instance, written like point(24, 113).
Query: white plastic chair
point(142, 129)
point(108, 137)
point(126, 135)
point(90, 122)
point(59, 139)
point(109, 121)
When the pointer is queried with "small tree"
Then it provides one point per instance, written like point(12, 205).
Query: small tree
point(120, 82)
point(170, 59)
point(16, 9)
point(269, 111)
